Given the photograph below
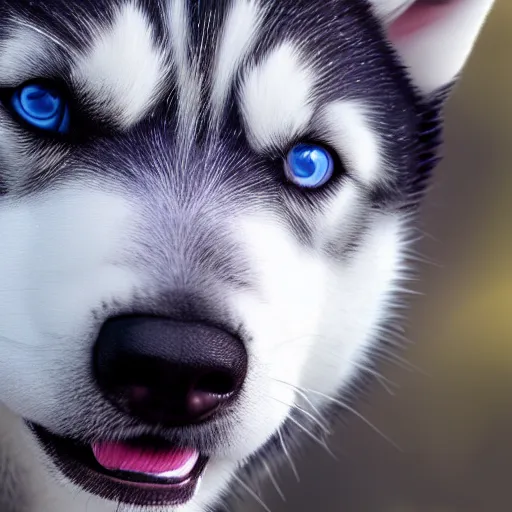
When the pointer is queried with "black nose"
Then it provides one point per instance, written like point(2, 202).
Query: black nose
point(166, 372)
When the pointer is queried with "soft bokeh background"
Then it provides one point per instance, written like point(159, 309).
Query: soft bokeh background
point(454, 425)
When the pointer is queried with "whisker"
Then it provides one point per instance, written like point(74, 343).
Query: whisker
point(251, 492)
point(312, 436)
point(419, 258)
point(274, 481)
point(288, 456)
point(357, 414)
point(48, 36)
point(347, 408)
point(306, 413)
point(394, 336)
point(383, 383)
point(386, 383)
point(391, 357)
point(314, 408)
point(295, 339)
point(391, 335)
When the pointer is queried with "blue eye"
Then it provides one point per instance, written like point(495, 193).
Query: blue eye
point(309, 165)
point(42, 107)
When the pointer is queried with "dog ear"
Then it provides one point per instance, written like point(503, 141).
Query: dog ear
point(433, 37)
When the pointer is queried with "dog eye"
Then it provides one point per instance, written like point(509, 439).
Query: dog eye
point(42, 107)
point(309, 165)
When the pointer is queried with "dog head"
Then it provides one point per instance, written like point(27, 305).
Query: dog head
point(204, 209)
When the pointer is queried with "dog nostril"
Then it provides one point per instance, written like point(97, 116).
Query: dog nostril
point(209, 392)
point(216, 383)
point(201, 405)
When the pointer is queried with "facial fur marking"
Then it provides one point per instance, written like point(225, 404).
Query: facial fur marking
point(25, 53)
point(187, 76)
point(124, 69)
point(350, 132)
point(340, 220)
point(276, 98)
point(236, 39)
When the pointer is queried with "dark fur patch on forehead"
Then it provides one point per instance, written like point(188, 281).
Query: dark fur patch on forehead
point(206, 18)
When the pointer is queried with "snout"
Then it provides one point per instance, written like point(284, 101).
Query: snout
point(168, 373)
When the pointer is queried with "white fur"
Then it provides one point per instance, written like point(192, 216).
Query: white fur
point(311, 317)
point(188, 76)
point(124, 69)
point(350, 133)
point(63, 254)
point(340, 215)
point(24, 52)
point(60, 258)
point(238, 35)
point(275, 98)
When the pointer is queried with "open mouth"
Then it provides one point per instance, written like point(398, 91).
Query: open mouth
point(141, 471)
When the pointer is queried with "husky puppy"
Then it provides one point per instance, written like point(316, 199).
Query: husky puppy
point(205, 208)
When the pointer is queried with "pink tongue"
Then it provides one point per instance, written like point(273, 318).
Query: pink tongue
point(124, 457)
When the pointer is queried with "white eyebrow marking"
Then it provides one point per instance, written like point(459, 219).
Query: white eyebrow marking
point(124, 69)
point(237, 38)
point(349, 131)
point(188, 76)
point(276, 98)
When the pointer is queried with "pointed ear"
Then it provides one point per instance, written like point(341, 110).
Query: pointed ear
point(433, 37)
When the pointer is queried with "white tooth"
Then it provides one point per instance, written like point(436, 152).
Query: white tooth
point(181, 472)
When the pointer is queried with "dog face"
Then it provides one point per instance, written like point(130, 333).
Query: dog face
point(203, 214)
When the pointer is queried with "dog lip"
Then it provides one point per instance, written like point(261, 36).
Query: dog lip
point(78, 463)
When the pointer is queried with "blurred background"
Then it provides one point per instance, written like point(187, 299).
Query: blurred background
point(454, 425)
